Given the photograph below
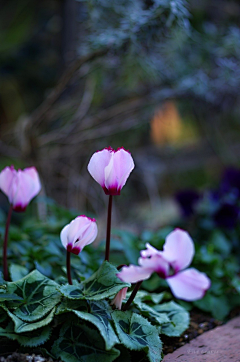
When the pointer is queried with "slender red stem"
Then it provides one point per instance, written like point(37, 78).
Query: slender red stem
point(108, 236)
point(5, 263)
point(132, 296)
point(69, 268)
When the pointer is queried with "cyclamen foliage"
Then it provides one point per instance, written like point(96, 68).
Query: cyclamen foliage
point(89, 327)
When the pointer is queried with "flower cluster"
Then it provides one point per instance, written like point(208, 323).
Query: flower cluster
point(111, 169)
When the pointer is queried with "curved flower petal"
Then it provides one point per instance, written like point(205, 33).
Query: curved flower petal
point(97, 164)
point(157, 264)
point(150, 251)
point(133, 274)
point(64, 236)
point(178, 249)
point(7, 175)
point(111, 169)
point(189, 284)
point(123, 166)
point(20, 186)
point(117, 301)
point(80, 232)
point(27, 185)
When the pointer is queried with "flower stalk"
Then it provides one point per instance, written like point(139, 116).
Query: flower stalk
point(68, 262)
point(5, 263)
point(108, 234)
point(132, 296)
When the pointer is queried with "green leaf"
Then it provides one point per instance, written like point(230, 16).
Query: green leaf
point(18, 272)
point(8, 331)
point(34, 338)
point(146, 310)
point(155, 298)
point(79, 343)
point(72, 291)
point(29, 339)
point(1, 278)
point(219, 306)
point(104, 283)
point(67, 305)
point(23, 326)
point(179, 318)
point(3, 315)
point(136, 333)
point(39, 295)
point(7, 296)
point(100, 316)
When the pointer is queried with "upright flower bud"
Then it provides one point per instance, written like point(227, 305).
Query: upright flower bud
point(80, 232)
point(20, 186)
point(111, 169)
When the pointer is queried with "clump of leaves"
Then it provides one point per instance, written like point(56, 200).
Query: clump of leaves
point(76, 322)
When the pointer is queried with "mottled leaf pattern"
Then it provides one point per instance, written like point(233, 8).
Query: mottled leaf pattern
point(39, 295)
point(100, 316)
point(178, 316)
point(102, 284)
point(159, 318)
point(78, 343)
point(136, 333)
point(23, 326)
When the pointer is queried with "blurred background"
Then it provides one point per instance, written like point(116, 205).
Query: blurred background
point(160, 78)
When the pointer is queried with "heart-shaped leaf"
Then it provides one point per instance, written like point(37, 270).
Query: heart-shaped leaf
point(137, 333)
point(179, 318)
point(39, 295)
point(79, 343)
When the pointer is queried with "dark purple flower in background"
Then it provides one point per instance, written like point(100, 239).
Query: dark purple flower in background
point(226, 216)
point(187, 200)
point(230, 180)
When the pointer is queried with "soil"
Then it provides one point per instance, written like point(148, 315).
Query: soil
point(199, 324)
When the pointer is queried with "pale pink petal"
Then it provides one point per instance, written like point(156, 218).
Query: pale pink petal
point(123, 166)
point(120, 296)
point(7, 176)
point(189, 284)
point(110, 177)
point(26, 186)
point(64, 236)
point(134, 274)
point(178, 249)
point(157, 264)
point(80, 232)
point(149, 252)
point(97, 164)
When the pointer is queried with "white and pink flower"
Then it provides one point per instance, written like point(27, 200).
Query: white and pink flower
point(80, 232)
point(111, 169)
point(20, 186)
point(169, 264)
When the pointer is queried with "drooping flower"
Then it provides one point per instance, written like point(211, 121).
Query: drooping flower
point(20, 186)
point(169, 264)
point(111, 169)
point(119, 297)
point(80, 232)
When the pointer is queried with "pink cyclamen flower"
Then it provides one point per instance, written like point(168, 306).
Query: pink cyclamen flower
point(117, 301)
point(169, 264)
point(80, 232)
point(20, 186)
point(111, 169)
